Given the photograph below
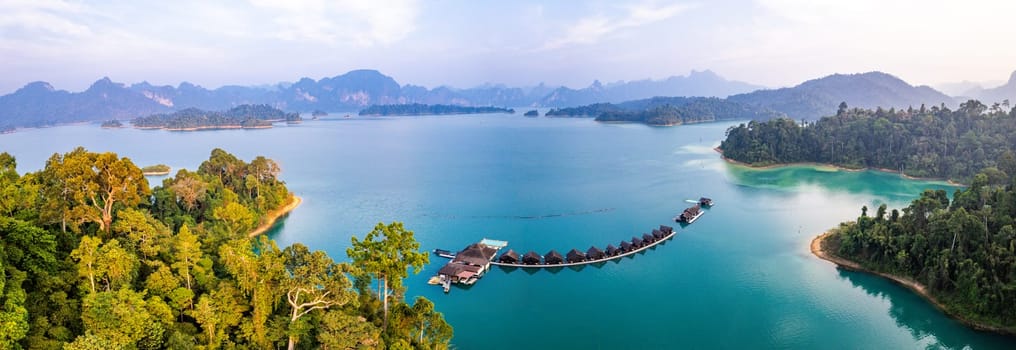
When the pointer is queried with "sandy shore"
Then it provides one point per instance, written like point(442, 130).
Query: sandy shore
point(817, 248)
point(274, 215)
point(837, 167)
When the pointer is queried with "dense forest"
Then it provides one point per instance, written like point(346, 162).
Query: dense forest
point(93, 258)
point(423, 109)
point(245, 116)
point(923, 142)
point(963, 251)
point(667, 111)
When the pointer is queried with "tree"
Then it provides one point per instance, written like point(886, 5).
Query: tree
point(314, 282)
point(387, 253)
point(186, 254)
point(95, 182)
point(87, 256)
point(147, 234)
point(340, 330)
point(433, 332)
point(260, 276)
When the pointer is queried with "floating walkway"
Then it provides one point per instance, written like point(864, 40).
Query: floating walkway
point(587, 262)
point(471, 263)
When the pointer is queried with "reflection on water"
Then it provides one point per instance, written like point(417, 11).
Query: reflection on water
point(913, 313)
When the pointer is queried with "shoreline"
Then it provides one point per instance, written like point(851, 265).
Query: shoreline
point(818, 250)
point(275, 215)
point(834, 166)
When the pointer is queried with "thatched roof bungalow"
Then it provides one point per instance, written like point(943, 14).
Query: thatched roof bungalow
point(575, 256)
point(612, 250)
point(647, 238)
point(659, 234)
point(595, 253)
point(509, 257)
point(637, 242)
point(553, 258)
point(626, 246)
point(531, 258)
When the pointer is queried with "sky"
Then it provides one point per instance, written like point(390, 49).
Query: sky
point(463, 44)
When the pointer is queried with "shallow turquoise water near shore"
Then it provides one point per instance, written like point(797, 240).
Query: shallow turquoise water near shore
point(740, 277)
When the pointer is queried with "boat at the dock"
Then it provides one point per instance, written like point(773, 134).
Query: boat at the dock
point(705, 202)
point(444, 253)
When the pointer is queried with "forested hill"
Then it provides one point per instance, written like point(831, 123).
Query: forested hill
point(820, 97)
point(925, 142)
point(963, 252)
point(668, 111)
point(94, 258)
point(245, 116)
point(422, 109)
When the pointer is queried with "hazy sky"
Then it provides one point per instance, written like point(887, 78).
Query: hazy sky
point(466, 43)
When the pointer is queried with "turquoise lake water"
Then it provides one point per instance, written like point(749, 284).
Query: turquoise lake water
point(740, 277)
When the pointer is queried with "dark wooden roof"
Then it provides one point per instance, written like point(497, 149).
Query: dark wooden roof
point(485, 251)
point(612, 250)
point(595, 253)
point(626, 246)
point(648, 238)
point(553, 257)
point(509, 257)
point(531, 258)
point(471, 256)
point(635, 241)
point(575, 255)
point(666, 229)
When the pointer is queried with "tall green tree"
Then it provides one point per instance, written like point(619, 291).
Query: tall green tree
point(314, 282)
point(387, 253)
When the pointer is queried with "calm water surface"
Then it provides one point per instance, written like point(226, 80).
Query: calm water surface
point(740, 277)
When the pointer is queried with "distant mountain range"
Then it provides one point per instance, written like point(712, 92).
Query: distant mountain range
point(999, 94)
point(39, 104)
point(820, 97)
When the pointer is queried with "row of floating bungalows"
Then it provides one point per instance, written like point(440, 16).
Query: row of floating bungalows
point(592, 254)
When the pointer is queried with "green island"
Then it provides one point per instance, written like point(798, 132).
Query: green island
point(239, 117)
point(112, 124)
point(424, 109)
point(924, 142)
point(155, 170)
point(94, 258)
point(959, 253)
point(667, 111)
point(532, 113)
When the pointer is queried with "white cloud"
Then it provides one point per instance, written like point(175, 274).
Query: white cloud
point(361, 22)
point(592, 29)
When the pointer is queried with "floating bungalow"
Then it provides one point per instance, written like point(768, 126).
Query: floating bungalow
point(531, 258)
point(658, 235)
point(469, 264)
point(666, 229)
point(690, 215)
point(637, 242)
point(705, 202)
point(626, 247)
point(647, 238)
point(509, 257)
point(575, 256)
point(553, 258)
point(612, 250)
point(595, 253)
